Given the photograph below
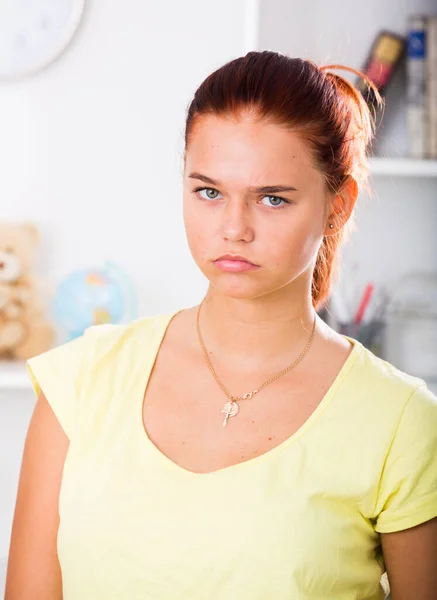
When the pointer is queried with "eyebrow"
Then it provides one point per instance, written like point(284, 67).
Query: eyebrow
point(265, 189)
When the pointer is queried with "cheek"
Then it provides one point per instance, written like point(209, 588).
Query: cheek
point(294, 246)
point(194, 229)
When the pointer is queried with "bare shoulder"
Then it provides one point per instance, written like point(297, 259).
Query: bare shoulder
point(182, 323)
point(180, 335)
point(329, 355)
point(330, 341)
point(33, 568)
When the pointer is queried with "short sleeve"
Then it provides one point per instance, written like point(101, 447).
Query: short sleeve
point(408, 488)
point(58, 374)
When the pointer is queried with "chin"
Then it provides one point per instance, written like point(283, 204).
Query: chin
point(231, 287)
point(243, 286)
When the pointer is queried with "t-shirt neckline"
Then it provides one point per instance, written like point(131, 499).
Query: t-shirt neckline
point(165, 320)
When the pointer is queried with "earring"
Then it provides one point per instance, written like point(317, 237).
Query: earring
point(331, 226)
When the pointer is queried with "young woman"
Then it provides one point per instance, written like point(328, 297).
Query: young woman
point(239, 449)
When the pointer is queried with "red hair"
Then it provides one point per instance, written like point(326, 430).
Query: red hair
point(323, 108)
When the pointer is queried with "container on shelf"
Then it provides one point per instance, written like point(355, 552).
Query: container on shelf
point(411, 333)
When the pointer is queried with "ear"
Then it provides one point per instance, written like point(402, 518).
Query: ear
point(341, 206)
point(32, 231)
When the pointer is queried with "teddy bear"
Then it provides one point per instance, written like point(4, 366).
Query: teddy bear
point(24, 332)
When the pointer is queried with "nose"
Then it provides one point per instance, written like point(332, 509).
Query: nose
point(237, 224)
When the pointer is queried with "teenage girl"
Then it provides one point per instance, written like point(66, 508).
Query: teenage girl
point(240, 449)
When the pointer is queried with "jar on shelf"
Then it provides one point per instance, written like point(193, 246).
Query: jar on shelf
point(411, 326)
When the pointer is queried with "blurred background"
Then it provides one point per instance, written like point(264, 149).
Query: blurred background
point(93, 97)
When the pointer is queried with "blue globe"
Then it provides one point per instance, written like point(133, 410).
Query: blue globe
point(91, 297)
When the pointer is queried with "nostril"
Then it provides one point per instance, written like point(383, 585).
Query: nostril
point(2, 265)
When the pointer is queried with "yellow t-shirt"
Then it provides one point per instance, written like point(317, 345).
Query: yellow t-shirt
point(300, 522)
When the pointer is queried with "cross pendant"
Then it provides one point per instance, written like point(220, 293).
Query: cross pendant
point(230, 409)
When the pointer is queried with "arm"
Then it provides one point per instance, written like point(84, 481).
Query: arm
point(33, 567)
point(411, 560)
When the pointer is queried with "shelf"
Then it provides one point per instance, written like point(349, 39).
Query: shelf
point(13, 376)
point(403, 167)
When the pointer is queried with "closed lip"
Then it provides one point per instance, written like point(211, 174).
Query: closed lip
point(236, 257)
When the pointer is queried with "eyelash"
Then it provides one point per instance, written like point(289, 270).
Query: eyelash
point(199, 189)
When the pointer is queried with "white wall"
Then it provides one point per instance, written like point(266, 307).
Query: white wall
point(91, 149)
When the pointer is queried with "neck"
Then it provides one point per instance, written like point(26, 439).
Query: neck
point(255, 333)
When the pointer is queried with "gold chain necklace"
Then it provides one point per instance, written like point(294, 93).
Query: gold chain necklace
point(231, 408)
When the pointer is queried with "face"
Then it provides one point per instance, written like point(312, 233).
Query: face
point(278, 228)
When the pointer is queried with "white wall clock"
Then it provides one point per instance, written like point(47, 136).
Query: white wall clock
point(34, 32)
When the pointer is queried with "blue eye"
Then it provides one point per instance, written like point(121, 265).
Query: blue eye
point(207, 190)
point(277, 198)
point(213, 194)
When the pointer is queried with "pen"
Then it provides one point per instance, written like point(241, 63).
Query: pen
point(364, 303)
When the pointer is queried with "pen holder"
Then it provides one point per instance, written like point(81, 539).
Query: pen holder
point(370, 334)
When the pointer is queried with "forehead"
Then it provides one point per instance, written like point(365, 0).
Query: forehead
point(250, 151)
